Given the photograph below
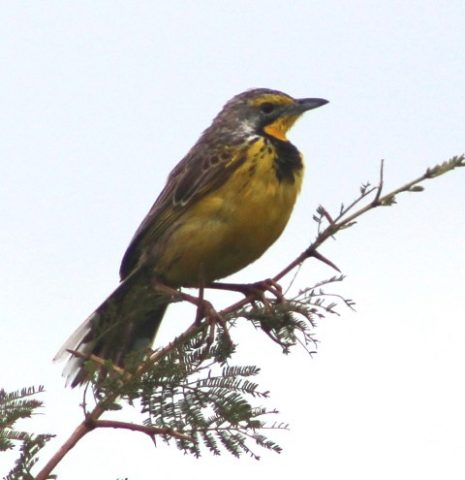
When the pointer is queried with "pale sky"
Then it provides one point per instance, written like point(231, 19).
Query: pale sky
point(101, 99)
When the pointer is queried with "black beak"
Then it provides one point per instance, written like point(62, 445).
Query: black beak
point(304, 104)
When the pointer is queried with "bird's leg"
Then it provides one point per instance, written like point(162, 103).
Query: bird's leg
point(174, 293)
point(200, 306)
point(204, 308)
point(256, 290)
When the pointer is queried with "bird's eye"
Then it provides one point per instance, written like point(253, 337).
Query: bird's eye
point(267, 108)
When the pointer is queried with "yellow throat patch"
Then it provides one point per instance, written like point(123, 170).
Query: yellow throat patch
point(280, 127)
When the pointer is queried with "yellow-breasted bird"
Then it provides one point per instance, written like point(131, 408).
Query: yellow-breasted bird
point(223, 205)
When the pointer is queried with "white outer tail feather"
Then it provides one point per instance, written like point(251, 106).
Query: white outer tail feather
point(75, 342)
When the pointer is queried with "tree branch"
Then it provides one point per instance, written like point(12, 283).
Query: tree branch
point(341, 221)
point(147, 429)
point(80, 431)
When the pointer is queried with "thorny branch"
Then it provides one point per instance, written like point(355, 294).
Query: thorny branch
point(135, 427)
point(343, 220)
point(334, 224)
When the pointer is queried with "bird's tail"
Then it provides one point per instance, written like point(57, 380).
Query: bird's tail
point(125, 322)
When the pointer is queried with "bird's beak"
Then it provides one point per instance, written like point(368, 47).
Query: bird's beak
point(304, 104)
point(287, 116)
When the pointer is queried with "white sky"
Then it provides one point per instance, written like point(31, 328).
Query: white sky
point(99, 100)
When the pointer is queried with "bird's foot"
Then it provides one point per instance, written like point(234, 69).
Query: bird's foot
point(255, 290)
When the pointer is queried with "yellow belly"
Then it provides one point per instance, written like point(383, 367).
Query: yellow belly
point(231, 227)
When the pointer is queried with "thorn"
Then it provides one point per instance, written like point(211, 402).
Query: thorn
point(381, 183)
point(323, 259)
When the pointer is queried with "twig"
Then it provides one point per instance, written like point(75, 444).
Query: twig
point(99, 360)
point(147, 429)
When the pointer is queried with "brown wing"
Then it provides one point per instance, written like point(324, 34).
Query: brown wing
point(199, 173)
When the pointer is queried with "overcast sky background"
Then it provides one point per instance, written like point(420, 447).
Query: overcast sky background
point(99, 101)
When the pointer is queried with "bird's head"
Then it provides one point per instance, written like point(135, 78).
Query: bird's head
point(263, 111)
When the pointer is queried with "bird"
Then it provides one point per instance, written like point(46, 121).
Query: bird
point(223, 205)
